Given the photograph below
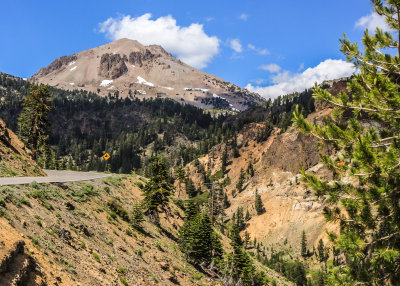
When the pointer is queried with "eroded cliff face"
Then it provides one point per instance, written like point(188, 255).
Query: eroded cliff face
point(15, 158)
point(112, 66)
point(56, 65)
point(290, 205)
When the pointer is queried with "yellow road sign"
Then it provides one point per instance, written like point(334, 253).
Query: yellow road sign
point(106, 156)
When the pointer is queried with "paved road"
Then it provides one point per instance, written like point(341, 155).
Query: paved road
point(53, 177)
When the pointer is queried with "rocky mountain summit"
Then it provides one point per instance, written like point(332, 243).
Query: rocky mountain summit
point(131, 69)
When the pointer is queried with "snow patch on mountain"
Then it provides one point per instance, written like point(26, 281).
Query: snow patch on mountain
point(143, 81)
point(106, 82)
point(195, 89)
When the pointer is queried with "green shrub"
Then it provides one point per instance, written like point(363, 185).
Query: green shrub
point(139, 252)
point(116, 207)
point(114, 181)
point(96, 257)
point(139, 185)
point(84, 193)
point(197, 276)
point(157, 244)
point(123, 281)
point(128, 232)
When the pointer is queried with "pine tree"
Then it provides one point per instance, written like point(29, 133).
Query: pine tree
point(239, 265)
point(33, 126)
point(250, 169)
point(364, 195)
point(190, 188)
point(137, 215)
point(258, 204)
point(198, 240)
point(248, 216)
point(303, 245)
point(321, 251)
point(224, 160)
point(227, 203)
point(191, 209)
point(239, 185)
point(240, 219)
point(246, 239)
point(158, 189)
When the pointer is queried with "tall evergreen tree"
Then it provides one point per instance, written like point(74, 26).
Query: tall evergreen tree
point(239, 184)
point(158, 189)
point(198, 240)
point(33, 125)
point(258, 204)
point(303, 245)
point(250, 169)
point(366, 205)
point(224, 159)
point(322, 253)
point(190, 188)
point(137, 215)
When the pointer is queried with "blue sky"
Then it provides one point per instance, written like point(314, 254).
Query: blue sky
point(275, 41)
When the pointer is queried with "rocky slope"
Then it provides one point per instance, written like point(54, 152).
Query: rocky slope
point(78, 234)
point(14, 157)
point(130, 68)
point(290, 206)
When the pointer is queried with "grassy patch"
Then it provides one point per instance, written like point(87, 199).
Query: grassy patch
point(83, 193)
point(114, 181)
point(6, 171)
point(96, 257)
point(116, 209)
point(123, 281)
point(121, 270)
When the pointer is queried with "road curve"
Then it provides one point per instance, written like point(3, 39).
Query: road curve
point(53, 176)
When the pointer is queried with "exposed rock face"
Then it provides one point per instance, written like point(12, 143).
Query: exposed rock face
point(290, 205)
point(138, 58)
point(112, 66)
point(292, 151)
point(56, 65)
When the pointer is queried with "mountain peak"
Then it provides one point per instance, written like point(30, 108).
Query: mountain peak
point(133, 69)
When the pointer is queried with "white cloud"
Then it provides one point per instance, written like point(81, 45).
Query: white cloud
point(258, 80)
point(259, 51)
point(243, 17)
point(301, 67)
point(372, 21)
point(286, 82)
point(271, 68)
point(190, 44)
point(236, 45)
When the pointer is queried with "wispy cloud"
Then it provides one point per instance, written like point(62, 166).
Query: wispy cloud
point(236, 45)
point(259, 51)
point(190, 44)
point(273, 68)
point(243, 17)
point(372, 21)
point(286, 82)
